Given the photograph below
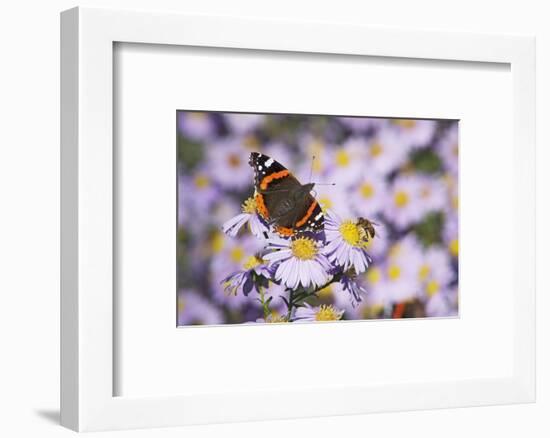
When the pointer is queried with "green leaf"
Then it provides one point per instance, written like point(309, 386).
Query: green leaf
point(426, 161)
point(429, 230)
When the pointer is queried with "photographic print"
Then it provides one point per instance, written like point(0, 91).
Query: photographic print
point(287, 218)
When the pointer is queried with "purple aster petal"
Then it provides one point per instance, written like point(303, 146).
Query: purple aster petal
point(282, 270)
point(293, 279)
point(303, 272)
point(277, 256)
point(257, 227)
point(317, 273)
point(233, 225)
point(277, 243)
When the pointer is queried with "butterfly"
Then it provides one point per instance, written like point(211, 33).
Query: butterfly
point(281, 200)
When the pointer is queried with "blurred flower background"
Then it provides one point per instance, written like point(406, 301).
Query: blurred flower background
point(401, 174)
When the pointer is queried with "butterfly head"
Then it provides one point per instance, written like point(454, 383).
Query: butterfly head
point(303, 191)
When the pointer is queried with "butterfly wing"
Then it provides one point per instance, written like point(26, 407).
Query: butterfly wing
point(275, 188)
point(310, 216)
point(273, 183)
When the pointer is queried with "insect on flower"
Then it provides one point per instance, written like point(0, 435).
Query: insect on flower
point(281, 200)
point(367, 226)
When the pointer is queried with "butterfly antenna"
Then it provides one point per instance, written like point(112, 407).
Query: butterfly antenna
point(311, 170)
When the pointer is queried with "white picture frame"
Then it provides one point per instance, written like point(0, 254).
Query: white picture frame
point(87, 333)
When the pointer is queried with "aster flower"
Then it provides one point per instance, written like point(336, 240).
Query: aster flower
point(435, 268)
point(243, 123)
point(387, 151)
point(432, 193)
point(346, 243)
point(445, 303)
point(313, 147)
point(273, 319)
point(369, 195)
point(451, 208)
point(228, 159)
point(450, 234)
point(230, 256)
point(403, 207)
point(298, 262)
point(413, 132)
point(195, 309)
point(376, 284)
point(322, 313)
point(198, 126)
point(361, 124)
point(351, 284)
point(335, 198)
point(400, 271)
point(254, 276)
point(196, 196)
point(447, 147)
point(346, 163)
point(248, 216)
point(436, 274)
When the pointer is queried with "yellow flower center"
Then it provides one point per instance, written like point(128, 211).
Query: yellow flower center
point(424, 272)
point(252, 261)
point(453, 247)
point(236, 254)
point(196, 116)
point(455, 202)
point(372, 312)
point(249, 206)
point(327, 313)
point(404, 123)
point(316, 148)
point(325, 292)
point(275, 319)
point(217, 242)
point(374, 275)
point(181, 305)
point(326, 203)
point(352, 233)
point(376, 149)
point(395, 250)
point(304, 248)
point(234, 160)
point(342, 158)
point(367, 190)
point(401, 199)
point(394, 272)
point(432, 288)
point(251, 141)
point(201, 181)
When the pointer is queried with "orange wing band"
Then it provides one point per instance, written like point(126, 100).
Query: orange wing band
point(269, 178)
point(283, 231)
point(307, 215)
point(260, 206)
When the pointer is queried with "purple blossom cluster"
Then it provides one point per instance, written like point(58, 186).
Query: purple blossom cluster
point(400, 174)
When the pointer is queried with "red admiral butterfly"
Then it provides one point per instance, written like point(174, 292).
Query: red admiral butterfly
point(282, 200)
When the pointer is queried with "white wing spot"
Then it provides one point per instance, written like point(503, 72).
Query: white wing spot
point(269, 162)
point(319, 216)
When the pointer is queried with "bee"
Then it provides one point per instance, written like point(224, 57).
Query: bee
point(367, 226)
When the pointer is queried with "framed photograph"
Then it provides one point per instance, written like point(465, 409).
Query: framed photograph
point(337, 222)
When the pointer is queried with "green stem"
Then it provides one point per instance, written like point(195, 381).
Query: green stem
point(265, 306)
point(302, 295)
point(300, 298)
point(290, 304)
